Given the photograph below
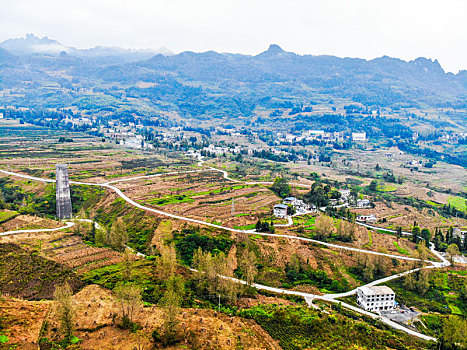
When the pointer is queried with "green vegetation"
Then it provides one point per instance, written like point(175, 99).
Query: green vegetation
point(245, 227)
point(370, 240)
point(400, 249)
point(188, 241)
point(297, 328)
point(459, 203)
point(187, 196)
point(7, 215)
point(446, 294)
point(385, 187)
point(281, 187)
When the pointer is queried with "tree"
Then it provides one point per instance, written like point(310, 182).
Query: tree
point(426, 235)
point(409, 281)
point(454, 333)
point(65, 309)
point(422, 254)
point(347, 229)
point(452, 251)
point(415, 233)
point(373, 185)
point(248, 265)
point(171, 302)
point(399, 231)
point(127, 263)
point(423, 283)
point(281, 187)
point(129, 297)
point(118, 236)
point(324, 225)
point(167, 262)
point(215, 273)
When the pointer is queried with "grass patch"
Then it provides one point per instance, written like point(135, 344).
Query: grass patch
point(7, 215)
point(384, 187)
point(458, 203)
point(246, 227)
point(400, 249)
point(370, 240)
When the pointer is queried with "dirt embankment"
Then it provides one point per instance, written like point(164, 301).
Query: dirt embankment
point(98, 316)
point(21, 321)
point(25, 274)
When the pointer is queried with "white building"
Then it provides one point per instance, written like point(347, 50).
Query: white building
point(289, 200)
point(359, 136)
point(301, 207)
point(362, 203)
point(280, 211)
point(315, 133)
point(376, 298)
point(367, 218)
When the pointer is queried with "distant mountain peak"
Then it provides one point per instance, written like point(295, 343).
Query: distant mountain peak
point(33, 44)
point(428, 64)
point(274, 48)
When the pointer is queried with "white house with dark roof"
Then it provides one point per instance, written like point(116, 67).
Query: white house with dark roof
point(289, 200)
point(280, 211)
point(376, 298)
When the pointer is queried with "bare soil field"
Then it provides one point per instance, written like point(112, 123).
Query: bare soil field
point(22, 320)
point(98, 315)
point(405, 216)
point(25, 222)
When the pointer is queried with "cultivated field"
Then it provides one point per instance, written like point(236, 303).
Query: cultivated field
point(204, 196)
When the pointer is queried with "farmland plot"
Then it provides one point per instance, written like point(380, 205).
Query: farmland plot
point(204, 196)
point(81, 258)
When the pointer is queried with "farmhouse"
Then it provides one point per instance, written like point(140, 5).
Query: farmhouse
point(362, 203)
point(289, 200)
point(367, 218)
point(376, 298)
point(300, 206)
point(280, 211)
point(359, 136)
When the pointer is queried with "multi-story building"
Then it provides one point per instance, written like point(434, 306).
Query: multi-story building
point(376, 298)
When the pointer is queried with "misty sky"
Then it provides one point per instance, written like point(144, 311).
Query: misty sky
point(348, 28)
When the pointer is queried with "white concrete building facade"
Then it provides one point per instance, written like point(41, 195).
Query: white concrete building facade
point(280, 211)
point(376, 298)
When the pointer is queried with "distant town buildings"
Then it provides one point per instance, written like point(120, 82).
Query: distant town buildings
point(376, 298)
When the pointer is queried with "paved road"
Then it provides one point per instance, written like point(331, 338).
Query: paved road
point(67, 225)
point(308, 296)
point(183, 218)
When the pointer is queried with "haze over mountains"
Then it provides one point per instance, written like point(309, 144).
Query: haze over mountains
point(205, 79)
point(32, 44)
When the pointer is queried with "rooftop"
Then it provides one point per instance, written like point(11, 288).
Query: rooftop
point(376, 290)
point(281, 206)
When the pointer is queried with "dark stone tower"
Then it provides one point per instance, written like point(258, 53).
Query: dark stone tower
point(63, 192)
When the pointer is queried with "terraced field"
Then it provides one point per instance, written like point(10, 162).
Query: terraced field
point(204, 196)
point(81, 258)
